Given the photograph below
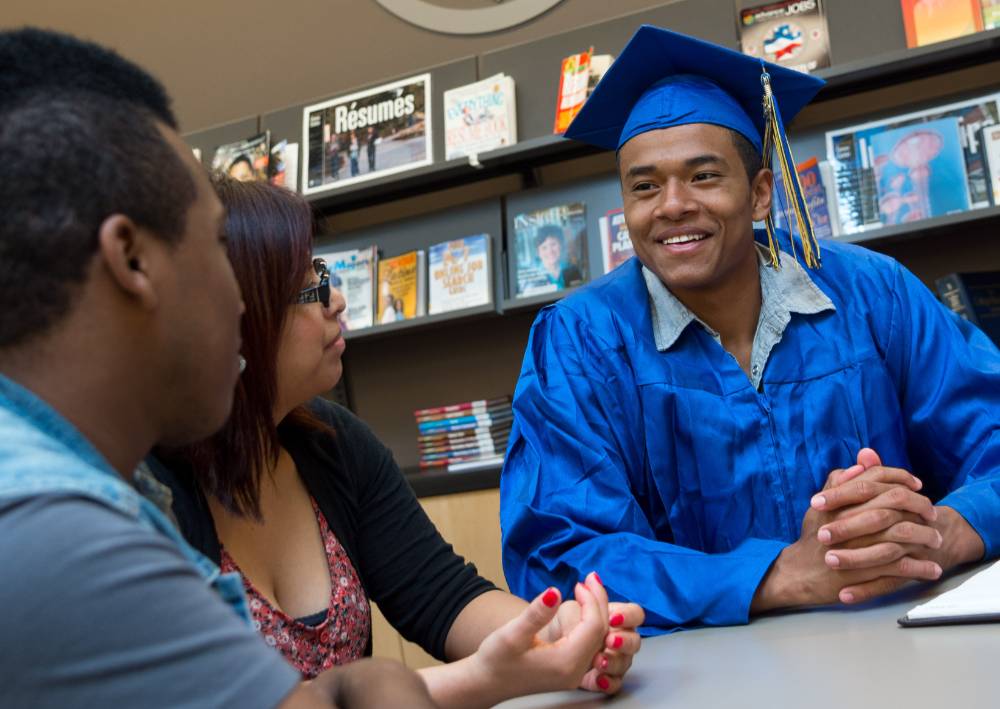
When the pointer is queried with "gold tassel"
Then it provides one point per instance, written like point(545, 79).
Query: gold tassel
point(775, 139)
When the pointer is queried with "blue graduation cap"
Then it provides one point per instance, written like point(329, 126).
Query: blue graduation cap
point(664, 79)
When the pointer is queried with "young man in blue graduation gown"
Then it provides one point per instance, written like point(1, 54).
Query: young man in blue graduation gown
point(716, 429)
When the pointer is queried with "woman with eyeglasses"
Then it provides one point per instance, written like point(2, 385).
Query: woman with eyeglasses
point(298, 496)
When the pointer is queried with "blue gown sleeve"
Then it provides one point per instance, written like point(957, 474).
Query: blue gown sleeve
point(575, 491)
point(948, 376)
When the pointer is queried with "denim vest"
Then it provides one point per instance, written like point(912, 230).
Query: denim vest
point(41, 453)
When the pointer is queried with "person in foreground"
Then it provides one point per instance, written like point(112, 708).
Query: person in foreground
point(119, 329)
point(298, 495)
point(717, 430)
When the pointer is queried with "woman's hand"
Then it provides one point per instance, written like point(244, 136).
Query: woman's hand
point(523, 658)
point(621, 642)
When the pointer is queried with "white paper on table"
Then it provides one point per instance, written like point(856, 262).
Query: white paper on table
point(976, 600)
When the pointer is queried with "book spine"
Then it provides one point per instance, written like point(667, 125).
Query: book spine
point(469, 423)
point(489, 432)
point(466, 406)
point(954, 295)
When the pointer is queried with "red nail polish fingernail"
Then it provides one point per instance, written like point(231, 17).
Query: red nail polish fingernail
point(616, 620)
point(603, 682)
point(617, 642)
point(550, 598)
point(598, 578)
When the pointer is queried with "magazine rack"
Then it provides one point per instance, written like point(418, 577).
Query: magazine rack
point(476, 353)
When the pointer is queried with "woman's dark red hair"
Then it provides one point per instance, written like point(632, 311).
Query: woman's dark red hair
point(269, 232)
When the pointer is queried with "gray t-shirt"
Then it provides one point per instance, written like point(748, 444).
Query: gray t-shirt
point(98, 611)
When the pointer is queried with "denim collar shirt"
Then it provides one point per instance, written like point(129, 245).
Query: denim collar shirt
point(41, 453)
point(784, 291)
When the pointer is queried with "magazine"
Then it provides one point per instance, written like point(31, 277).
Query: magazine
point(459, 274)
point(479, 117)
point(401, 287)
point(850, 152)
point(285, 165)
point(815, 178)
point(920, 171)
point(244, 160)
point(550, 249)
point(991, 14)
point(353, 274)
point(791, 33)
point(991, 149)
point(616, 245)
point(579, 75)
point(930, 21)
point(367, 135)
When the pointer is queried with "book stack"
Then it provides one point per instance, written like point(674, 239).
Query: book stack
point(468, 436)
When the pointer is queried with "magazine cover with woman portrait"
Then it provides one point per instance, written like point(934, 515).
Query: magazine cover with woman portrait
point(550, 248)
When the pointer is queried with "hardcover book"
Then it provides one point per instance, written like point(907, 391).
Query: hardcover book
point(975, 297)
point(367, 135)
point(616, 245)
point(930, 21)
point(920, 171)
point(849, 150)
point(479, 117)
point(574, 76)
point(459, 274)
point(791, 33)
point(815, 178)
point(579, 74)
point(550, 249)
point(353, 274)
point(244, 160)
point(401, 287)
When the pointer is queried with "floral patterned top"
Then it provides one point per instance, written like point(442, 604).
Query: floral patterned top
point(341, 637)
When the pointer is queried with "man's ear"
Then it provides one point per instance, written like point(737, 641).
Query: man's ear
point(761, 194)
point(128, 253)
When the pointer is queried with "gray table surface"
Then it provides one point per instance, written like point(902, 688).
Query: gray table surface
point(842, 658)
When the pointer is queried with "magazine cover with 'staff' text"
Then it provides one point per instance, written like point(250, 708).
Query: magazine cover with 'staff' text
point(550, 249)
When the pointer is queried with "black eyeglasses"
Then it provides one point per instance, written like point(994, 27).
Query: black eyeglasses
point(319, 292)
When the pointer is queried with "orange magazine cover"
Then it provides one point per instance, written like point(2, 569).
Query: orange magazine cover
point(929, 21)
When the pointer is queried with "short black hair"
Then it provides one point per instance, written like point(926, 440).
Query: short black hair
point(548, 231)
point(242, 157)
point(78, 147)
point(40, 61)
point(749, 155)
